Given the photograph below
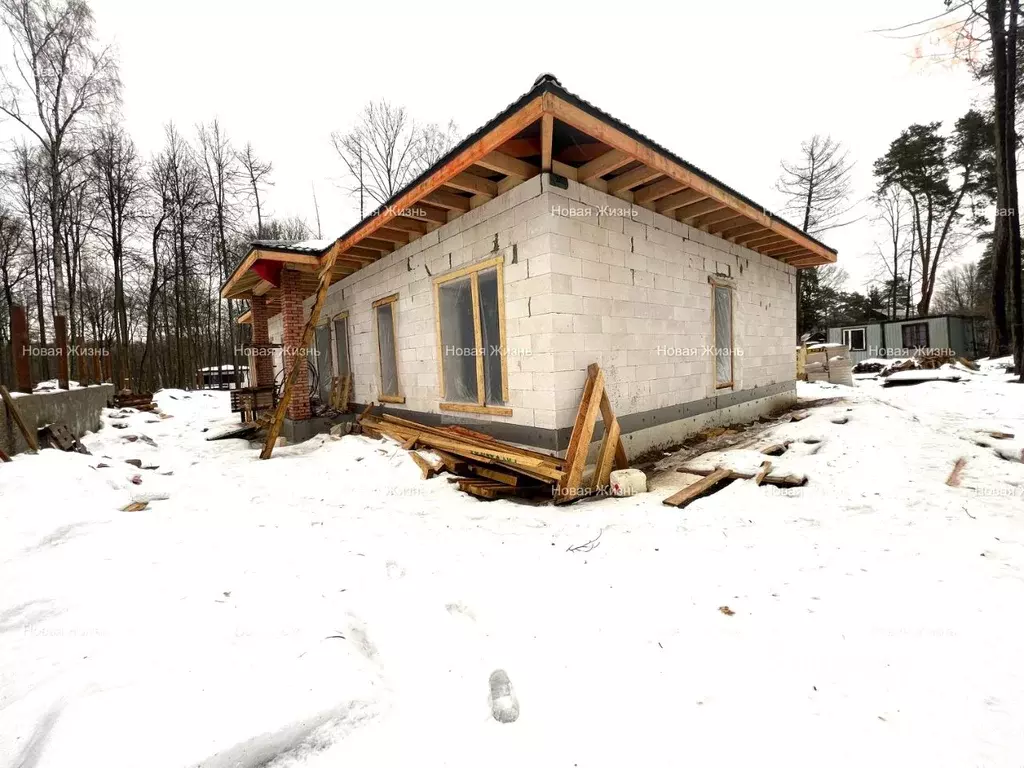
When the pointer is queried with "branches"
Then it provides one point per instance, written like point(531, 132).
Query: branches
point(386, 149)
point(818, 185)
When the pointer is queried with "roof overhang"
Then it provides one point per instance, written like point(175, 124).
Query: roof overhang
point(548, 129)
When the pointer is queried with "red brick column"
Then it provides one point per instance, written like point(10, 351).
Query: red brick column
point(294, 324)
point(264, 365)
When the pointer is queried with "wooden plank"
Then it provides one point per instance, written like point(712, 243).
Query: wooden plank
point(346, 393)
point(656, 191)
point(472, 437)
point(477, 185)
point(547, 132)
point(493, 410)
point(410, 443)
point(510, 166)
point(30, 437)
point(425, 467)
point(744, 229)
point(606, 456)
point(696, 490)
point(793, 480)
point(447, 200)
point(568, 487)
point(633, 178)
point(605, 164)
point(762, 473)
point(678, 200)
point(608, 416)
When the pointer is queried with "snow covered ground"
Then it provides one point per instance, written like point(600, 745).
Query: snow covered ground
point(328, 607)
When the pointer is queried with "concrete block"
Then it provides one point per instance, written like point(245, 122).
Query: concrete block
point(627, 482)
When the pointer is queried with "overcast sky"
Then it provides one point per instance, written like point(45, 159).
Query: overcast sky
point(731, 87)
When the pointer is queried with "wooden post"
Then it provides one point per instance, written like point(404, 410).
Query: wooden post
point(60, 329)
point(82, 362)
point(20, 349)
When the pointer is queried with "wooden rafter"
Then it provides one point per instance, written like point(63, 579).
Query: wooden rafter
point(606, 163)
point(678, 200)
point(547, 132)
point(633, 178)
point(725, 214)
point(689, 212)
point(656, 191)
point(744, 229)
point(720, 226)
point(394, 235)
point(510, 166)
point(447, 200)
point(477, 185)
point(614, 137)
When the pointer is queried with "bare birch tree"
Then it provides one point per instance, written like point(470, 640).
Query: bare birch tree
point(59, 79)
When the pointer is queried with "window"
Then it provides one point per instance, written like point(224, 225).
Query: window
point(853, 338)
point(387, 348)
point(471, 337)
point(723, 335)
point(322, 359)
point(341, 359)
point(915, 335)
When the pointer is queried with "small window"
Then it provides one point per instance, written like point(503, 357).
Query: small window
point(387, 348)
point(470, 327)
point(341, 358)
point(322, 359)
point(723, 336)
point(915, 336)
point(853, 339)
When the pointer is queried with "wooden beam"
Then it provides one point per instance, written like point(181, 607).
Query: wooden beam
point(688, 212)
point(606, 163)
point(482, 152)
point(678, 200)
point(510, 166)
point(793, 250)
point(477, 185)
point(695, 490)
point(408, 225)
point(547, 133)
point(724, 223)
point(447, 200)
point(633, 178)
point(617, 139)
point(288, 258)
point(12, 410)
point(393, 235)
point(744, 229)
point(656, 191)
point(758, 237)
point(420, 211)
point(765, 240)
point(357, 251)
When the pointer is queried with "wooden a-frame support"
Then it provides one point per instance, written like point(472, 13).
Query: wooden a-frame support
point(594, 400)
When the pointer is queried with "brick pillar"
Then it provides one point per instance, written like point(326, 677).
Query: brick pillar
point(20, 349)
point(293, 318)
point(264, 367)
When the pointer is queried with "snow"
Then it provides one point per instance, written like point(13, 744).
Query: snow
point(328, 607)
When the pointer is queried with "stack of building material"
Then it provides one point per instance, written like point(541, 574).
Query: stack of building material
point(829, 362)
point(495, 468)
point(140, 401)
point(498, 469)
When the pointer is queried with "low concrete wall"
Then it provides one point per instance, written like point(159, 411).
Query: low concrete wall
point(78, 409)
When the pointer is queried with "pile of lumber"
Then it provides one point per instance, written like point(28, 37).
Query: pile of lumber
point(140, 401)
point(490, 469)
point(486, 468)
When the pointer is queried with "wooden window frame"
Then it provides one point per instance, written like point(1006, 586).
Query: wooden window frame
point(348, 349)
point(715, 285)
point(927, 335)
point(393, 300)
point(472, 271)
point(848, 334)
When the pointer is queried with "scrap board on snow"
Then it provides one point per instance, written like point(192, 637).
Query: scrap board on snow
point(496, 469)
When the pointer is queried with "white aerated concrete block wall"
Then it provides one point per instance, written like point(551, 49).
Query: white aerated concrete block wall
point(629, 290)
point(513, 226)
